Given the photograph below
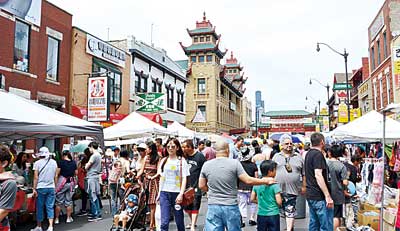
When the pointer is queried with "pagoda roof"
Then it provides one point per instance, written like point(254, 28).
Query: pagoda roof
point(204, 31)
point(232, 62)
point(288, 113)
point(198, 47)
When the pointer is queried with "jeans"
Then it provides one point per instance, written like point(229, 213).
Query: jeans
point(221, 217)
point(268, 223)
point(93, 189)
point(114, 198)
point(46, 198)
point(167, 201)
point(321, 217)
point(84, 199)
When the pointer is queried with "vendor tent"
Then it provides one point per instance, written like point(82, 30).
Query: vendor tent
point(369, 128)
point(181, 130)
point(134, 126)
point(22, 119)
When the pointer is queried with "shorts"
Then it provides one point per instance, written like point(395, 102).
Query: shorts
point(195, 206)
point(64, 196)
point(289, 205)
point(123, 215)
point(338, 211)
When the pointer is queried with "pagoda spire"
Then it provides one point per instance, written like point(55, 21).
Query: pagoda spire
point(204, 16)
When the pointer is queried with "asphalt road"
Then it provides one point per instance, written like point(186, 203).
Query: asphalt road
point(81, 223)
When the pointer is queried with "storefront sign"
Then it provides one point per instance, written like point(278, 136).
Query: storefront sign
point(290, 121)
point(324, 111)
point(29, 10)
point(342, 111)
point(376, 26)
point(98, 105)
point(396, 66)
point(151, 102)
point(340, 96)
point(105, 51)
point(325, 124)
point(355, 113)
point(363, 89)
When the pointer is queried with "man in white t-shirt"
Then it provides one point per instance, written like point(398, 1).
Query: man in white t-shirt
point(44, 187)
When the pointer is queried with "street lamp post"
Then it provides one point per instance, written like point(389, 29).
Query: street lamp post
point(319, 109)
point(327, 94)
point(345, 55)
point(389, 108)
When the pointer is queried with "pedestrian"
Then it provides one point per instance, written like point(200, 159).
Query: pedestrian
point(19, 166)
point(114, 185)
point(174, 171)
point(151, 179)
point(220, 178)
point(258, 156)
point(209, 151)
point(81, 182)
point(290, 170)
point(8, 188)
point(319, 200)
point(200, 146)
point(142, 147)
point(244, 190)
point(65, 175)
point(195, 160)
point(338, 182)
point(160, 147)
point(266, 149)
point(44, 187)
point(116, 155)
point(93, 168)
point(352, 200)
point(268, 198)
point(234, 149)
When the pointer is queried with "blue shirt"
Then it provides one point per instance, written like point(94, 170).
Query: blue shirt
point(234, 152)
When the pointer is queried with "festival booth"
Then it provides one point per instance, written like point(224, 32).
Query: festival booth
point(368, 129)
point(23, 119)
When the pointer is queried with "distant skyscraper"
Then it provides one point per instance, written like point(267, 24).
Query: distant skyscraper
point(259, 106)
point(258, 99)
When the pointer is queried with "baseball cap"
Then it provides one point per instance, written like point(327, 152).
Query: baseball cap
point(132, 198)
point(142, 146)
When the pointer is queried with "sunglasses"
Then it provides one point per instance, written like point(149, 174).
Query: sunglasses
point(288, 143)
point(171, 146)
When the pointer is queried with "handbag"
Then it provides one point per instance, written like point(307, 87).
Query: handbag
point(188, 195)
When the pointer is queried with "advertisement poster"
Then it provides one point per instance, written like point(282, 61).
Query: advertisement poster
point(30, 10)
point(98, 99)
point(325, 123)
point(151, 102)
point(396, 66)
point(342, 111)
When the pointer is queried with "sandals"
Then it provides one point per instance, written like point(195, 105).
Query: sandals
point(190, 226)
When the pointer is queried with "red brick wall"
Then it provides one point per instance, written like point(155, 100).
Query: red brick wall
point(365, 68)
point(56, 19)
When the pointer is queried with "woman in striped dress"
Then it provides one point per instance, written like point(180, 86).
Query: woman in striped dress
point(151, 179)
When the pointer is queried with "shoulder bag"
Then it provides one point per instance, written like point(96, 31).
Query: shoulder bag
point(188, 195)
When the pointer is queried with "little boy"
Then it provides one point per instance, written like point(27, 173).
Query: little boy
point(268, 198)
point(128, 213)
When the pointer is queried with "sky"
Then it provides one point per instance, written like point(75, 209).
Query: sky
point(275, 41)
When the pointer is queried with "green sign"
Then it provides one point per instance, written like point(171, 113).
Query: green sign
point(151, 102)
point(341, 86)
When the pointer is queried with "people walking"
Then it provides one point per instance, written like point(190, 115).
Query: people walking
point(195, 160)
point(174, 171)
point(209, 151)
point(93, 168)
point(268, 198)
point(81, 182)
point(151, 179)
point(65, 175)
point(318, 196)
point(234, 149)
point(220, 178)
point(44, 187)
point(290, 170)
point(8, 188)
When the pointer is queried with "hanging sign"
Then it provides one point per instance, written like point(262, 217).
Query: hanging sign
point(98, 106)
point(396, 66)
point(325, 123)
point(342, 111)
point(151, 102)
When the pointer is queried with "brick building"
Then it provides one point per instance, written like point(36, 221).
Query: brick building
point(35, 55)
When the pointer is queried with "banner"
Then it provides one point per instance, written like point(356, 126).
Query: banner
point(98, 107)
point(29, 10)
point(324, 112)
point(325, 124)
point(342, 111)
point(151, 102)
point(396, 66)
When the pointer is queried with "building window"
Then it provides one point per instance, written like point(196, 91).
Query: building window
point(201, 86)
point(372, 58)
point(209, 58)
point(381, 92)
point(201, 59)
point(193, 59)
point(179, 103)
point(208, 39)
point(378, 48)
point(143, 85)
point(222, 89)
point(196, 39)
point(201, 39)
point(388, 88)
point(53, 49)
point(202, 109)
point(115, 87)
point(21, 46)
point(375, 97)
point(230, 95)
point(385, 51)
point(170, 97)
point(137, 83)
point(153, 85)
point(159, 87)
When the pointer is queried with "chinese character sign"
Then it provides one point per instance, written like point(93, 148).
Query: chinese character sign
point(98, 99)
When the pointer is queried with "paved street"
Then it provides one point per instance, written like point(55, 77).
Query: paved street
point(80, 223)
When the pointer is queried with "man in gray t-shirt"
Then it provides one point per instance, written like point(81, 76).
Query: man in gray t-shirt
point(220, 178)
point(93, 168)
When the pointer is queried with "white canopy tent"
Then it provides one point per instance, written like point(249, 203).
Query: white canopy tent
point(22, 119)
point(181, 130)
point(368, 128)
point(134, 126)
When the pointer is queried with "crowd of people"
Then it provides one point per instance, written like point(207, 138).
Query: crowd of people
point(246, 183)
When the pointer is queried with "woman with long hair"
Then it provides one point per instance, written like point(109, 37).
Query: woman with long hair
point(19, 165)
point(174, 171)
point(65, 175)
point(151, 179)
point(81, 181)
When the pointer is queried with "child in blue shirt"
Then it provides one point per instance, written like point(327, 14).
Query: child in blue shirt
point(268, 198)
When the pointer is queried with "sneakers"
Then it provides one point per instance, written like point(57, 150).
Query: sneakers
point(91, 219)
point(50, 229)
point(37, 229)
point(252, 223)
point(82, 213)
point(70, 220)
point(56, 221)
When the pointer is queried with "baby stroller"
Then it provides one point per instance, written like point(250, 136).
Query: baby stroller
point(138, 220)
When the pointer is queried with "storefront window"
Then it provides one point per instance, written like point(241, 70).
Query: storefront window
point(52, 58)
point(21, 46)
